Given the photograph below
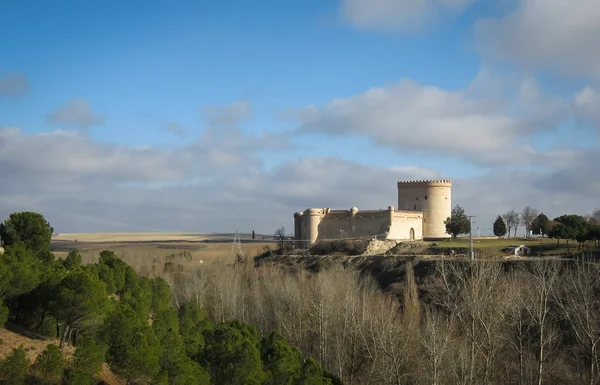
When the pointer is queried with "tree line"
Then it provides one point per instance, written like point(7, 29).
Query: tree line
point(111, 314)
point(581, 228)
point(453, 322)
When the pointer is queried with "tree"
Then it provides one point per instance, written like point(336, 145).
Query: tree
point(79, 297)
point(19, 271)
point(539, 226)
point(192, 325)
point(30, 228)
point(579, 303)
point(280, 236)
point(73, 260)
point(232, 357)
point(281, 362)
point(499, 227)
point(595, 217)
point(573, 227)
point(511, 218)
point(458, 222)
point(13, 368)
point(133, 349)
point(49, 366)
point(86, 364)
point(528, 216)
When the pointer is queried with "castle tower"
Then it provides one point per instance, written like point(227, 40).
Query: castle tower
point(433, 198)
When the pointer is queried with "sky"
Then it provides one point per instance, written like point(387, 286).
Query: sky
point(200, 116)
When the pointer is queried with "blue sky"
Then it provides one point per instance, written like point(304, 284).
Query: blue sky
point(460, 89)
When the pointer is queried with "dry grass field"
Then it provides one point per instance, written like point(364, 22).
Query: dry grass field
point(130, 237)
point(149, 251)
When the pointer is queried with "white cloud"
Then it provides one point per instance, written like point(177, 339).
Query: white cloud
point(557, 35)
point(14, 84)
point(389, 15)
point(61, 155)
point(586, 104)
point(226, 116)
point(264, 200)
point(76, 111)
point(409, 117)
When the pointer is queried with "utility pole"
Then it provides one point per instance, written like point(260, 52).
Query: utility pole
point(471, 253)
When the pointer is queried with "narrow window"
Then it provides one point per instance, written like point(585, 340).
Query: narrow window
point(425, 197)
point(415, 207)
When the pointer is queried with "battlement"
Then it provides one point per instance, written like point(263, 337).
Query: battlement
point(420, 183)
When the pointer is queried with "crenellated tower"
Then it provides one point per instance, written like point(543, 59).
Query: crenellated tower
point(433, 198)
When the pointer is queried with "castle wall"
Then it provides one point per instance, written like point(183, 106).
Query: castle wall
point(348, 224)
point(405, 221)
point(313, 225)
point(433, 198)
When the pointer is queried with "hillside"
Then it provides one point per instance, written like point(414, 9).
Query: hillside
point(34, 344)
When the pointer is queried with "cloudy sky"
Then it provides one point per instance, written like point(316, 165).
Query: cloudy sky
point(200, 116)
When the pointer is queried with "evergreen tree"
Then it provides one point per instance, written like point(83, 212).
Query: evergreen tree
point(192, 325)
point(540, 224)
point(14, 368)
point(232, 358)
point(281, 362)
point(49, 366)
point(30, 228)
point(133, 349)
point(21, 270)
point(499, 227)
point(458, 223)
point(79, 296)
point(73, 260)
point(86, 363)
point(312, 374)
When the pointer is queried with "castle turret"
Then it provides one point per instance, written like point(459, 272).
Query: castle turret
point(433, 198)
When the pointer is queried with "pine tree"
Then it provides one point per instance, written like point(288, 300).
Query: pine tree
point(458, 223)
point(499, 227)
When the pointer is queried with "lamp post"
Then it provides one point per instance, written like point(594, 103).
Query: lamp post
point(471, 253)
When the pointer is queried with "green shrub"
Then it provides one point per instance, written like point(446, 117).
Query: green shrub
point(13, 369)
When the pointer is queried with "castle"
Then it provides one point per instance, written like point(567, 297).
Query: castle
point(423, 206)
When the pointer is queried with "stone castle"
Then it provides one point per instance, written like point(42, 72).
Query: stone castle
point(423, 206)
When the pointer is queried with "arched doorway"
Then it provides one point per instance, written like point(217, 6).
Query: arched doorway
point(412, 233)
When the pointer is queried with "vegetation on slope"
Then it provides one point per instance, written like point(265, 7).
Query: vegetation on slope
point(111, 314)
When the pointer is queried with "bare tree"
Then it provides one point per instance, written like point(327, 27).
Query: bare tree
point(580, 306)
point(475, 295)
point(519, 329)
point(528, 216)
point(537, 292)
point(280, 236)
point(511, 218)
point(436, 337)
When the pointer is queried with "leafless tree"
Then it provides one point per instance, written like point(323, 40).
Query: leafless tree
point(436, 338)
point(596, 216)
point(536, 294)
point(578, 299)
point(475, 294)
point(527, 217)
point(511, 218)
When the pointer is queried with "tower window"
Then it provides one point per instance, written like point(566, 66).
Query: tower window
point(425, 197)
point(415, 207)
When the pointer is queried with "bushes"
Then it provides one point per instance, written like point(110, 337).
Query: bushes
point(13, 369)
